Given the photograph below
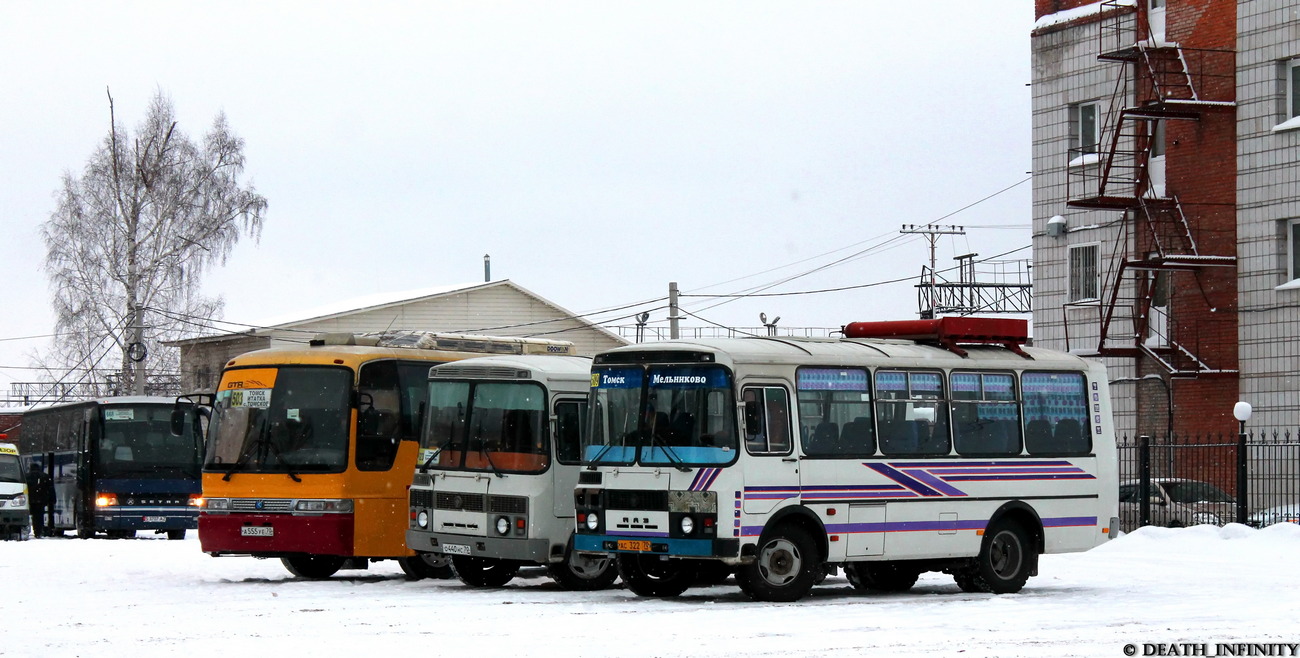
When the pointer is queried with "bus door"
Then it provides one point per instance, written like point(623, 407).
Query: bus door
point(569, 416)
point(772, 464)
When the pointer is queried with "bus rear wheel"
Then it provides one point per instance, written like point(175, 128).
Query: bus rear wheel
point(582, 573)
point(650, 575)
point(1004, 563)
point(315, 567)
point(784, 568)
point(483, 571)
point(880, 576)
point(426, 565)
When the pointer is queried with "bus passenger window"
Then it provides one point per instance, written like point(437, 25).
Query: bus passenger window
point(1056, 414)
point(986, 415)
point(836, 412)
point(912, 412)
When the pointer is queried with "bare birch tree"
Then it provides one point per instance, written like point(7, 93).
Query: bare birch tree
point(130, 239)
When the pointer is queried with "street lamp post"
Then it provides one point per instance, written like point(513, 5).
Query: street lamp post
point(1241, 411)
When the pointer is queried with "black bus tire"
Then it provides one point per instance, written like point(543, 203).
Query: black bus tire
point(785, 566)
point(314, 567)
point(650, 575)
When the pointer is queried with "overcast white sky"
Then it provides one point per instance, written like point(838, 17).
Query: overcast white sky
point(596, 150)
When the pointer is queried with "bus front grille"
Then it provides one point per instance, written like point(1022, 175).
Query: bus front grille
point(630, 499)
point(421, 498)
point(261, 505)
point(467, 502)
point(508, 505)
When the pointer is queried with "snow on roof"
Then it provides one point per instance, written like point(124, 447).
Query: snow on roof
point(363, 303)
point(1085, 11)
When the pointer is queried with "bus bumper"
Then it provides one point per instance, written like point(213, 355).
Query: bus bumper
point(14, 523)
point(657, 545)
point(504, 548)
point(276, 534)
point(147, 519)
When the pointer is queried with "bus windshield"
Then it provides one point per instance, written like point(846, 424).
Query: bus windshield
point(488, 426)
point(280, 420)
point(10, 469)
point(661, 415)
point(137, 442)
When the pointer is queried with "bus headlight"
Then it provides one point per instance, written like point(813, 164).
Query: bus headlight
point(422, 519)
point(593, 521)
point(341, 506)
point(18, 501)
point(106, 500)
point(503, 525)
point(196, 500)
point(687, 525)
point(217, 504)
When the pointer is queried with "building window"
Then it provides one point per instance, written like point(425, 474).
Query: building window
point(1083, 273)
point(1087, 127)
point(1293, 249)
point(1293, 89)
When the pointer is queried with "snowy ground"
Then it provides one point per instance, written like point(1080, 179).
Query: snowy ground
point(1209, 585)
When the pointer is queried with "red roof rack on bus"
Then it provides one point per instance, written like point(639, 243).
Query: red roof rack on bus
point(1010, 333)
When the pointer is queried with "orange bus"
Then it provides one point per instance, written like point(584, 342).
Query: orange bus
point(310, 451)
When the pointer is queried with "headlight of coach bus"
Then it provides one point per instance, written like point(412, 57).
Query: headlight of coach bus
point(341, 506)
point(593, 521)
point(217, 504)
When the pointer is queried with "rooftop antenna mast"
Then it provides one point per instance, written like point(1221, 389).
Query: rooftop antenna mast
point(932, 233)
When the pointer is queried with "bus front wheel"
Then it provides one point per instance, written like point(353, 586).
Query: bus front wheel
point(483, 571)
point(650, 575)
point(426, 565)
point(785, 566)
point(582, 573)
point(315, 567)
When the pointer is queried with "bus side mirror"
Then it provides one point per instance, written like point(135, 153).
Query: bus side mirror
point(178, 421)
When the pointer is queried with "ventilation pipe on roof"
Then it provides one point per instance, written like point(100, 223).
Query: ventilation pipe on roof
point(487, 268)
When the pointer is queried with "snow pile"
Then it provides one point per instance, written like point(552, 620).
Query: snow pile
point(157, 597)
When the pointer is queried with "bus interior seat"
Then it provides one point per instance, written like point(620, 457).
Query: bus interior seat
point(824, 438)
point(1069, 436)
point(856, 437)
point(1038, 436)
point(899, 438)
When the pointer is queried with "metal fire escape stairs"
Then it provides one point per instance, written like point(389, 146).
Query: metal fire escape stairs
point(1156, 234)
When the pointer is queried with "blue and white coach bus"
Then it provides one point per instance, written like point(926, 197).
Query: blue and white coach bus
point(115, 467)
point(904, 447)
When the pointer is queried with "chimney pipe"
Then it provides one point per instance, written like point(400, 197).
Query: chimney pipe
point(487, 267)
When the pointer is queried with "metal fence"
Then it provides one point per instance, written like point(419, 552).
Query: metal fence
point(1259, 471)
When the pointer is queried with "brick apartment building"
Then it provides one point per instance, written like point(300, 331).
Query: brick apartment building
point(1166, 135)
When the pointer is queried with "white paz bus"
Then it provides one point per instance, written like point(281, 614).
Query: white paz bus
point(499, 460)
point(905, 447)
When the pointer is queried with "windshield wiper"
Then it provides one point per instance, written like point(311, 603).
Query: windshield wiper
point(288, 469)
point(678, 462)
point(424, 467)
point(262, 442)
point(483, 449)
point(248, 451)
point(599, 456)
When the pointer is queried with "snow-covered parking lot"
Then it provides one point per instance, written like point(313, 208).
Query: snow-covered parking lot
point(154, 597)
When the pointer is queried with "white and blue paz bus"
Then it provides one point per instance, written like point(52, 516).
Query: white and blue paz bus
point(904, 447)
